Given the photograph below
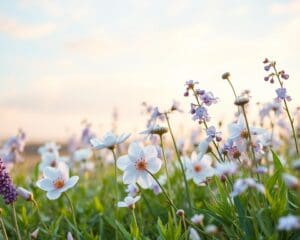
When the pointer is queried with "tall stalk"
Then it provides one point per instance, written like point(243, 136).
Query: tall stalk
point(15, 221)
point(116, 188)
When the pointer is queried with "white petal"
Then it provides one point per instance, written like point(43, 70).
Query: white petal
point(135, 151)
point(45, 184)
point(153, 165)
point(129, 176)
point(150, 152)
point(52, 195)
point(70, 183)
point(96, 143)
point(122, 204)
point(145, 180)
point(234, 131)
point(51, 173)
point(123, 162)
point(123, 138)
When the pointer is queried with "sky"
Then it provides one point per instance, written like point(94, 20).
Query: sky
point(65, 61)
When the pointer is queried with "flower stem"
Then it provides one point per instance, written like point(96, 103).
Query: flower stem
point(3, 229)
point(15, 221)
point(181, 164)
point(136, 232)
point(287, 111)
point(39, 214)
point(73, 215)
point(116, 188)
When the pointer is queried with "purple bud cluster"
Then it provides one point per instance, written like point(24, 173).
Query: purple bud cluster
point(7, 189)
point(268, 65)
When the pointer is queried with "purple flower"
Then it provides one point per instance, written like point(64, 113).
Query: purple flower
point(282, 95)
point(201, 114)
point(87, 135)
point(267, 67)
point(7, 189)
point(208, 98)
point(191, 83)
point(212, 133)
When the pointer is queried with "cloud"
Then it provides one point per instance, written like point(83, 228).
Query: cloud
point(24, 31)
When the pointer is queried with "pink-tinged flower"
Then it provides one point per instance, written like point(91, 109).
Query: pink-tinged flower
point(138, 163)
point(226, 168)
point(291, 181)
point(155, 187)
point(129, 202)
point(132, 189)
point(197, 219)
point(56, 181)
point(110, 140)
point(199, 168)
point(288, 223)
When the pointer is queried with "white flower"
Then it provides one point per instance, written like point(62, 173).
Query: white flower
point(211, 229)
point(291, 181)
point(132, 189)
point(202, 147)
point(238, 131)
point(82, 154)
point(226, 168)
point(69, 236)
point(51, 159)
point(197, 219)
point(129, 202)
point(199, 169)
point(242, 185)
point(108, 141)
point(288, 223)
point(56, 181)
point(49, 147)
point(194, 235)
point(138, 163)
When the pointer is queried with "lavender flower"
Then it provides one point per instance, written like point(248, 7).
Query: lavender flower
point(282, 95)
point(7, 189)
point(208, 98)
point(201, 114)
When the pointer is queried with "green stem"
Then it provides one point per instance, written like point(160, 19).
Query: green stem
point(116, 189)
point(73, 215)
point(39, 214)
point(288, 112)
point(180, 163)
point(15, 221)
point(135, 224)
point(3, 229)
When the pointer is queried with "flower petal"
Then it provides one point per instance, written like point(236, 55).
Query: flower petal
point(96, 143)
point(154, 164)
point(129, 176)
point(52, 195)
point(45, 184)
point(150, 152)
point(123, 162)
point(51, 173)
point(70, 183)
point(135, 151)
point(145, 180)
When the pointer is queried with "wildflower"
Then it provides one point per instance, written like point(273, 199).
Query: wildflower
point(242, 185)
point(288, 223)
point(138, 163)
point(226, 76)
point(211, 229)
point(241, 101)
point(56, 181)
point(194, 234)
point(208, 98)
point(199, 168)
point(82, 154)
point(296, 164)
point(201, 114)
point(28, 196)
point(261, 170)
point(132, 189)
point(197, 219)
point(51, 147)
point(226, 168)
point(110, 140)
point(51, 159)
point(86, 134)
point(282, 95)
point(70, 236)
point(180, 213)
point(7, 189)
point(291, 181)
point(212, 134)
point(129, 202)
point(155, 187)
point(35, 233)
point(190, 84)
point(156, 129)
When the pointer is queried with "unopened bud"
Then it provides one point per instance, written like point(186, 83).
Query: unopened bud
point(226, 76)
point(241, 101)
point(180, 213)
point(28, 196)
point(35, 233)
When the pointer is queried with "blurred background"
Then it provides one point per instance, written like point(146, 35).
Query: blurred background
point(66, 61)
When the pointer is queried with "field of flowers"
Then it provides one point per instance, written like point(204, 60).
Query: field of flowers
point(239, 184)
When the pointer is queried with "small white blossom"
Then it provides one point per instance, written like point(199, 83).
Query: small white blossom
point(242, 185)
point(197, 219)
point(194, 235)
point(288, 223)
point(226, 168)
point(129, 202)
point(132, 189)
point(110, 140)
point(291, 181)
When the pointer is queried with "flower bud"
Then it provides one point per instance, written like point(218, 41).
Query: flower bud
point(35, 233)
point(241, 101)
point(226, 76)
point(28, 196)
point(180, 213)
point(69, 236)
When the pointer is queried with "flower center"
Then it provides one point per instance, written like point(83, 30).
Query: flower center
point(197, 168)
point(244, 134)
point(59, 183)
point(53, 163)
point(141, 165)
